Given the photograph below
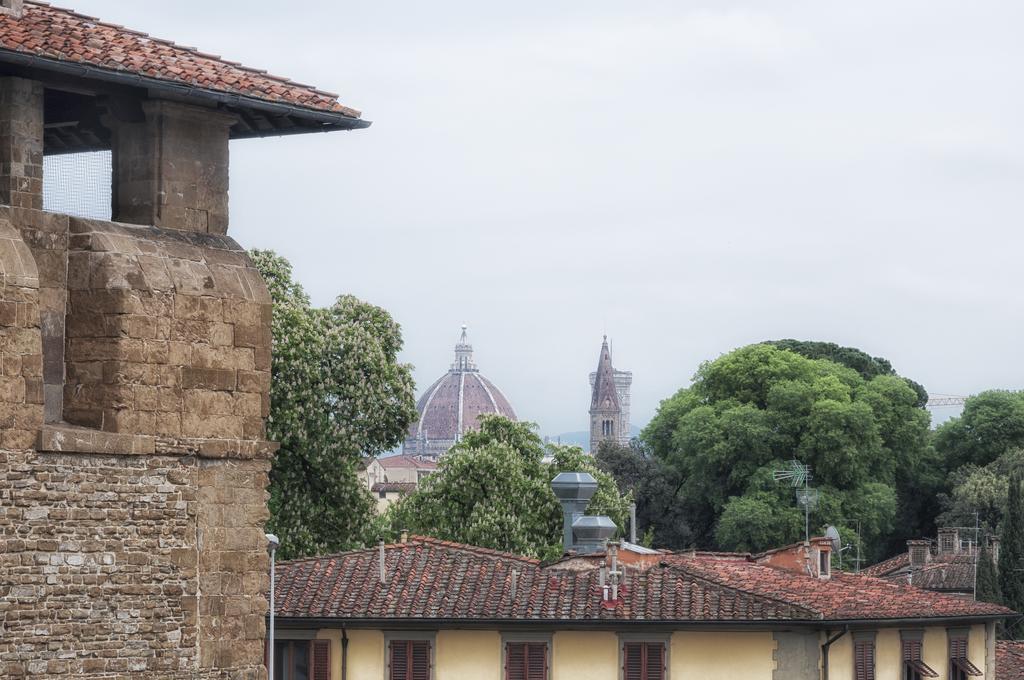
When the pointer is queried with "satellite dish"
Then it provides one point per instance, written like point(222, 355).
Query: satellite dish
point(832, 534)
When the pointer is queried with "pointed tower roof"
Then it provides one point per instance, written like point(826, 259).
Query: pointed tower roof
point(604, 397)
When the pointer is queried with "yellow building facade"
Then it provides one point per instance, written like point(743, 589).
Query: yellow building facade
point(461, 654)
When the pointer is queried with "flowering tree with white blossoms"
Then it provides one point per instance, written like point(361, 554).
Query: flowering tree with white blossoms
point(338, 393)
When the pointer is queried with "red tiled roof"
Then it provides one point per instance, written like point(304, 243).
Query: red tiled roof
point(400, 487)
point(1009, 660)
point(66, 36)
point(429, 579)
point(407, 462)
point(843, 597)
point(888, 566)
point(949, 572)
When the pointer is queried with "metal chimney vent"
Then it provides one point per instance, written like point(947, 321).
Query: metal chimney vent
point(593, 532)
point(574, 491)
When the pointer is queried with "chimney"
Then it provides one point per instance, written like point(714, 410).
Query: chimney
point(380, 561)
point(920, 553)
point(632, 522)
point(404, 537)
point(949, 541)
point(592, 533)
point(574, 491)
point(993, 549)
point(514, 585)
point(821, 553)
point(15, 8)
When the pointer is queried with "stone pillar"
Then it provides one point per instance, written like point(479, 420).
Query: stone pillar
point(21, 143)
point(171, 168)
point(21, 363)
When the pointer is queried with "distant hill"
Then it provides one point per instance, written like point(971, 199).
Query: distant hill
point(582, 438)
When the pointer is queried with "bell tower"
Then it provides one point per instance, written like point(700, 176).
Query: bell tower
point(609, 420)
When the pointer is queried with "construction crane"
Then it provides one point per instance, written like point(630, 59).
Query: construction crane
point(945, 400)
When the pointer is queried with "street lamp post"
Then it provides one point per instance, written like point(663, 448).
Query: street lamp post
point(272, 543)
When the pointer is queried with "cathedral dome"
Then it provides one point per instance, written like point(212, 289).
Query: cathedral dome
point(452, 405)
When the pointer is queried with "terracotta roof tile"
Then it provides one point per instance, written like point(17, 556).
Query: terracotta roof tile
point(399, 487)
point(1009, 660)
point(888, 566)
point(64, 35)
point(432, 579)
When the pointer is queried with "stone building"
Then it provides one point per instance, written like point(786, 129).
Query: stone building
point(389, 478)
point(609, 401)
point(947, 564)
point(453, 404)
point(134, 357)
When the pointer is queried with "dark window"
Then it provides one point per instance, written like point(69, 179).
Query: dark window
point(383, 494)
point(913, 667)
point(824, 562)
point(960, 667)
point(526, 661)
point(864, 658)
point(410, 660)
point(302, 660)
point(643, 661)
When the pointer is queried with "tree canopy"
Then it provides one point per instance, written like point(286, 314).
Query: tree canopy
point(755, 408)
point(866, 365)
point(1011, 551)
point(992, 423)
point(980, 489)
point(493, 489)
point(338, 393)
point(661, 518)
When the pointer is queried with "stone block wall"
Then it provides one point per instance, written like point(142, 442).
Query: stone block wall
point(21, 143)
point(117, 565)
point(134, 383)
point(21, 363)
point(168, 334)
point(171, 168)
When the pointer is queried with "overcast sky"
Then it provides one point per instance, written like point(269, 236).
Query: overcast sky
point(688, 176)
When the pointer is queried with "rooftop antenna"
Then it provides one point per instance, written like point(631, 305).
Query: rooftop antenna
point(799, 476)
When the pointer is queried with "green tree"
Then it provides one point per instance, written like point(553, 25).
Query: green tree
point(755, 408)
point(987, 579)
point(338, 392)
point(661, 518)
point(992, 423)
point(493, 490)
point(1011, 551)
point(980, 490)
point(866, 365)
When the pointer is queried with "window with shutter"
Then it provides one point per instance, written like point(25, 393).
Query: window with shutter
point(526, 661)
point(960, 667)
point(409, 660)
point(913, 667)
point(864, 657)
point(321, 665)
point(643, 661)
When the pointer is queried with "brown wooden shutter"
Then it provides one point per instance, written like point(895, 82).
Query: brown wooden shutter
point(399, 660)
point(321, 662)
point(536, 661)
point(655, 661)
point(633, 661)
point(526, 661)
point(420, 655)
point(643, 661)
point(864, 660)
point(515, 661)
